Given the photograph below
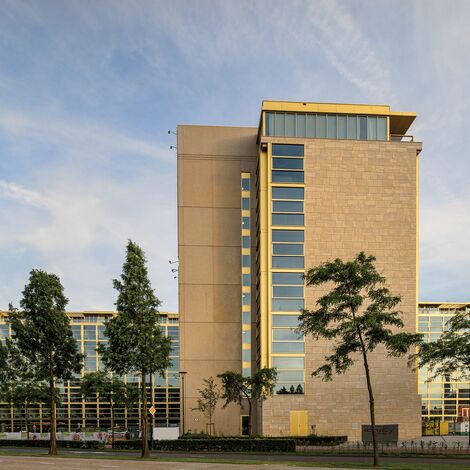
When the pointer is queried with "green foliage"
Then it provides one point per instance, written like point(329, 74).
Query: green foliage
point(136, 343)
point(43, 335)
point(208, 397)
point(217, 445)
point(236, 388)
point(44, 443)
point(110, 389)
point(358, 314)
point(449, 356)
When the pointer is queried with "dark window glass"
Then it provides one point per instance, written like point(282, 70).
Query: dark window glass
point(288, 176)
point(246, 298)
point(245, 203)
point(288, 193)
point(342, 129)
point(269, 123)
point(288, 163)
point(331, 126)
point(288, 278)
point(245, 184)
point(288, 291)
point(288, 235)
point(362, 127)
point(280, 124)
point(298, 347)
point(245, 222)
point(288, 262)
point(288, 150)
point(289, 249)
point(287, 305)
point(288, 206)
point(352, 127)
point(321, 125)
point(246, 241)
point(311, 118)
point(285, 320)
point(288, 219)
point(288, 362)
point(290, 125)
point(300, 125)
point(246, 318)
point(371, 128)
point(246, 261)
point(246, 279)
point(89, 332)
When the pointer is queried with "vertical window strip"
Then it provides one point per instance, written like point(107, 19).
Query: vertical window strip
point(245, 272)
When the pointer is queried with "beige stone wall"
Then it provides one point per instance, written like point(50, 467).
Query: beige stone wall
point(359, 196)
point(210, 162)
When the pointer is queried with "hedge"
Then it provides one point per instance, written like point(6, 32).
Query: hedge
point(44, 443)
point(216, 445)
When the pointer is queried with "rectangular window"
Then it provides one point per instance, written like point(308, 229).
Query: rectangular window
point(290, 125)
point(288, 219)
point(382, 128)
point(246, 241)
point(288, 176)
point(288, 249)
point(246, 298)
point(269, 124)
point(287, 305)
point(352, 127)
point(290, 376)
point(245, 203)
point(246, 318)
point(288, 348)
point(288, 279)
point(288, 150)
point(246, 261)
point(371, 128)
point(331, 134)
point(280, 124)
point(246, 279)
point(288, 163)
point(285, 320)
point(288, 206)
point(287, 334)
point(288, 291)
point(245, 184)
point(362, 127)
point(342, 127)
point(245, 223)
point(89, 332)
point(300, 125)
point(293, 262)
point(311, 123)
point(246, 337)
point(321, 126)
point(288, 362)
point(246, 355)
point(287, 193)
point(288, 236)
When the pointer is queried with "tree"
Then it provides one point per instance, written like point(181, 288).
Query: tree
point(109, 389)
point(20, 386)
point(449, 356)
point(207, 401)
point(136, 342)
point(44, 336)
point(356, 315)
point(237, 388)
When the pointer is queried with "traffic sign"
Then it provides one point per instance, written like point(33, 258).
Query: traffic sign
point(152, 410)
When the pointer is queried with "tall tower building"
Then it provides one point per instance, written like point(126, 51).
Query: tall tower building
point(259, 206)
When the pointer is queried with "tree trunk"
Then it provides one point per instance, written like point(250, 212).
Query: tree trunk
point(144, 418)
point(53, 439)
point(112, 424)
point(249, 418)
point(26, 420)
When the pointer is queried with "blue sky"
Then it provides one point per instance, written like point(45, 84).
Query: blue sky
point(88, 90)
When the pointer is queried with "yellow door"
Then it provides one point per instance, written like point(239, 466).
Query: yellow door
point(299, 423)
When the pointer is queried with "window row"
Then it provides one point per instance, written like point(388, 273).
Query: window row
point(326, 126)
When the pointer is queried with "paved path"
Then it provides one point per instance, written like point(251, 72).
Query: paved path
point(56, 463)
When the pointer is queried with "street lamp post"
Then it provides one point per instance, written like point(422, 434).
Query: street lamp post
point(182, 374)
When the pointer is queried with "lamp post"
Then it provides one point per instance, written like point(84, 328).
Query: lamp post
point(182, 374)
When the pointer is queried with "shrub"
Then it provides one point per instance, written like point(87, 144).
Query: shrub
point(44, 443)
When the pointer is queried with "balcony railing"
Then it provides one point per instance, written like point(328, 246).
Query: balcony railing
point(401, 138)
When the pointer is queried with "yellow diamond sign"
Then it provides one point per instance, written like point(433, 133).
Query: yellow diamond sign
point(152, 410)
